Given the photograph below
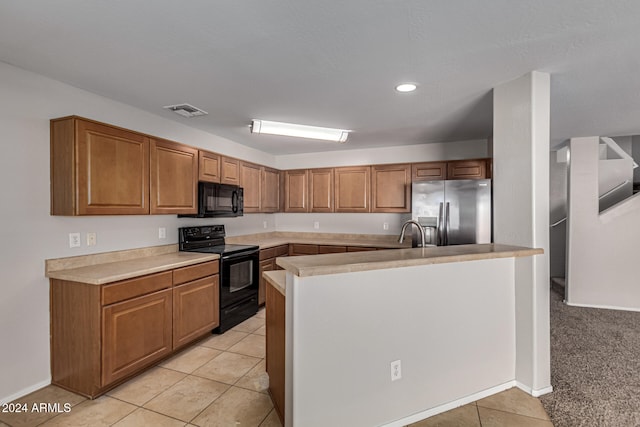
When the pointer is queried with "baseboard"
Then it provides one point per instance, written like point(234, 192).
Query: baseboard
point(450, 405)
point(24, 392)
point(532, 392)
point(606, 307)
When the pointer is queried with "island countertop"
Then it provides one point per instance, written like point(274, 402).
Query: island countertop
point(316, 265)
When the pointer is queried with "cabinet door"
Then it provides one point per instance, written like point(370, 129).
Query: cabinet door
point(321, 189)
point(229, 171)
point(352, 189)
point(430, 171)
point(136, 333)
point(265, 265)
point(467, 169)
point(391, 188)
point(270, 185)
point(250, 181)
point(112, 171)
point(275, 347)
point(174, 178)
point(296, 191)
point(208, 166)
point(196, 309)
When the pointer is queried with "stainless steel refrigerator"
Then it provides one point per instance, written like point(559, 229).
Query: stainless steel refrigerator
point(454, 212)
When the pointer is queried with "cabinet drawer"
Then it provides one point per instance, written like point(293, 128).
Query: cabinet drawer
point(132, 288)
point(193, 272)
point(360, 248)
point(330, 249)
point(300, 249)
point(267, 253)
point(282, 250)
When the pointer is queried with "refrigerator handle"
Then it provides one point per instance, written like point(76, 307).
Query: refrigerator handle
point(446, 224)
point(440, 232)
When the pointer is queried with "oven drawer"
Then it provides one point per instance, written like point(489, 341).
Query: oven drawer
point(193, 272)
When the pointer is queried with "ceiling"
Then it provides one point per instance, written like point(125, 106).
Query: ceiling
point(336, 63)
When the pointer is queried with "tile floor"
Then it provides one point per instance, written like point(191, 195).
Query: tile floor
point(221, 381)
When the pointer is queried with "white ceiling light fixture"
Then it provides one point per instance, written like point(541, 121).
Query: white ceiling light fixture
point(300, 131)
point(406, 87)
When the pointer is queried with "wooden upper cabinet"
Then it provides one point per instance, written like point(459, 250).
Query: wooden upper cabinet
point(429, 171)
point(391, 188)
point(467, 169)
point(174, 178)
point(208, 166)
point(352, 189)
point(321, 188)
point(98, 169)
point(250, 182)
point(296, 192)
point(270, 194)
point(229, 170)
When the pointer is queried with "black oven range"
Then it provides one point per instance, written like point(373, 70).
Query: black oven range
point(238, 271)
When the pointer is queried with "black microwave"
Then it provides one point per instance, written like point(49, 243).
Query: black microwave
point(219, 200)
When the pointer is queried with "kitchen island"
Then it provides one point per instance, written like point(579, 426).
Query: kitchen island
point(448, 316)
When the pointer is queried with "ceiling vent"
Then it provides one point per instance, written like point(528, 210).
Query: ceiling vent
point(186, 110)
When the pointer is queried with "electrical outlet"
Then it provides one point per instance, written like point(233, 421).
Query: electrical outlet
point(316, 225)
point(162, 233)
point(385, 225)
point(74, 240)
point(396, 370)
point(264, 224)
point(91, 239)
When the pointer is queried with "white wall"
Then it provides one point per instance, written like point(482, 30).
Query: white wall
point(451, 325)
point(31, 235)
point(521, 113)
point(400, 154)
point(602, 248)
point(558, 210)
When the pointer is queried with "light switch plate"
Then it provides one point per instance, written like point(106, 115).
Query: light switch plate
point(91, 239)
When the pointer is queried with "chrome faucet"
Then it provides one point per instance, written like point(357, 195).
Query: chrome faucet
point(420, 229)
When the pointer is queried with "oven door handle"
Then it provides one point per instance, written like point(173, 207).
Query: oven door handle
point(246, 254)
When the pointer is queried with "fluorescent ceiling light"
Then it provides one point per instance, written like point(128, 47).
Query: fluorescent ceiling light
point(300, 131)
point(406, 87)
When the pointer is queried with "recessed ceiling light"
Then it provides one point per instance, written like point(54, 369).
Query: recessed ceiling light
point(406, 87)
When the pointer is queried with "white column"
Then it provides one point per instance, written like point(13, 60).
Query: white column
point(521, 110)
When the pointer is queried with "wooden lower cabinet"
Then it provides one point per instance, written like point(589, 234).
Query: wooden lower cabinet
point(136, 333)
point(268, 263)
point(265, 265)
point(195, 309)
point(275, 348)
point(103, 334)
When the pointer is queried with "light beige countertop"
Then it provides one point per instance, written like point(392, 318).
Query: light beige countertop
point(277, 238)
point(316, 265)
point(277, 279)
point(105, 268)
